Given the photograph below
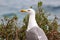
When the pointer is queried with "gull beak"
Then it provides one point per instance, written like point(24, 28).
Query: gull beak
point(23, 10)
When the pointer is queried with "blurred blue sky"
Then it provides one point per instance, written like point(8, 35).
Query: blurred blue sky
point(19, 3)
point(27, 2)
point(13, 6)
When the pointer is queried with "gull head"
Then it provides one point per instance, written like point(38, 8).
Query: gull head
point(29, 11)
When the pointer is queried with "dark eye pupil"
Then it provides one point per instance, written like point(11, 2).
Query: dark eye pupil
point(28, 10)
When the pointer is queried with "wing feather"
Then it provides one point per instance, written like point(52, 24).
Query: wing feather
point(34, 33)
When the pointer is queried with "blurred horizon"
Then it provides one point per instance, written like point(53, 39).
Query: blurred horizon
point(11, 7)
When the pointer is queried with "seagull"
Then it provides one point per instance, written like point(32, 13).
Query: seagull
point(33, 32)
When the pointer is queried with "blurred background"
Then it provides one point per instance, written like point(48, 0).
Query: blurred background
point(11, 7)
point(13, 23)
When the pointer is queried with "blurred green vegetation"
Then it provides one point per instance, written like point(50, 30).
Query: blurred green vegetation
point(10, 31)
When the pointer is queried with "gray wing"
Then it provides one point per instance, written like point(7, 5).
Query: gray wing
point(32, 34)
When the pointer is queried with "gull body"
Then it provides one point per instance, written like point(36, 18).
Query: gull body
point(33, 32)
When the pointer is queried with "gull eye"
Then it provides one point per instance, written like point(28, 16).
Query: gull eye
point(28, 10)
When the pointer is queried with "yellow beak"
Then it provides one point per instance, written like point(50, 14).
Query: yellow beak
point(23, 10)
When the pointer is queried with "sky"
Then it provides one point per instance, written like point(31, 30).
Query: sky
point(18, 3)
point(52, 2)
point(6, 5)
point(9, 6)
point(13, 6)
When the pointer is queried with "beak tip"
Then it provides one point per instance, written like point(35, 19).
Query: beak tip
point(22, 10)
